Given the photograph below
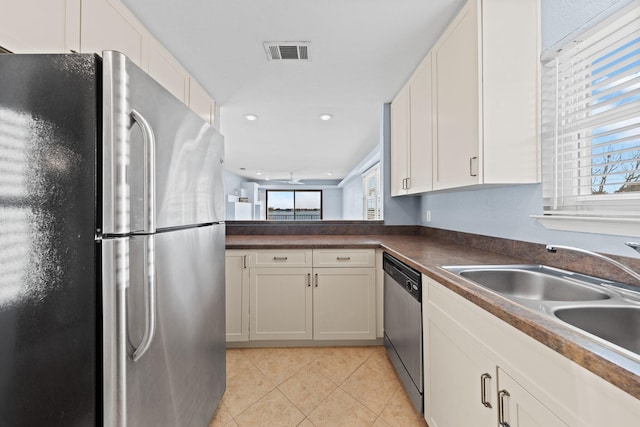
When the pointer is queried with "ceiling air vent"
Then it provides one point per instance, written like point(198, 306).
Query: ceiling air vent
point(277, 51)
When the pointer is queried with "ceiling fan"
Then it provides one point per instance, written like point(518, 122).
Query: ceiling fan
point(291, 180)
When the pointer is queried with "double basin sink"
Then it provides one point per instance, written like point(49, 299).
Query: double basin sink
point(603, 309)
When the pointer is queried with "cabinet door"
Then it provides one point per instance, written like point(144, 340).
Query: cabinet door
point(344, 303)
point(518, 408)
point(280, 303)
point(399, 141)
point(36, 26)
point(201, 102)
point(458, 376)
point(421, 129)
point(457, 102)
point(105, 27)
point(167, 71)
point(237, 295)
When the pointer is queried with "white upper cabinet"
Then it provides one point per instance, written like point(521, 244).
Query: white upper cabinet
point(411, 134)
point(420, 129)
point(399, 141)
point(200, 101)
point(167, 71)
point(486, 95)
point(36, 26)
point(457, 94)
point(107, 25)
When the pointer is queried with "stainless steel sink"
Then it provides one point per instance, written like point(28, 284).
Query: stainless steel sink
point(618, 325)
point(535, 285)
point(597, 307)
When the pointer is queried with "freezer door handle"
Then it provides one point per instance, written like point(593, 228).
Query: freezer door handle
point(149, 187)
point(150, 298)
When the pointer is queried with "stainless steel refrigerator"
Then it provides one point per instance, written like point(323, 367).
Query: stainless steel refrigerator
point(111, 248)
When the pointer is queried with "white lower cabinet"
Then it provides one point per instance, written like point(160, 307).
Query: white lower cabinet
point(456, 371)
point(481, 371)
point(519, 408)
point(237, 295)
point(344, 304)
point(466, 387)
point(280, 303)
point(322, 294)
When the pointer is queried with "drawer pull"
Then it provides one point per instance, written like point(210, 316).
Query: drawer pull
point(483, 390)
point(316, 277)
point(279, 258)
point(343, 258)
point(501, 408)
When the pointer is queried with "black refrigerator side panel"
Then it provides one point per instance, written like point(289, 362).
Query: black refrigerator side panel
point(49, 313)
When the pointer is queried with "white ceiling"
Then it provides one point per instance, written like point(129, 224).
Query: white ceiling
point(361, 51)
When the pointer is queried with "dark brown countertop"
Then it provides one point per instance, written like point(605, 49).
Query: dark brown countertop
point(427, 255)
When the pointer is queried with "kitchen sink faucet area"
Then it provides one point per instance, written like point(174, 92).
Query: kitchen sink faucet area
point(605, 310)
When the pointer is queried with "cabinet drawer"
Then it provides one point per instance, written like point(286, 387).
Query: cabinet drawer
point(344, 258)
point(281, 258)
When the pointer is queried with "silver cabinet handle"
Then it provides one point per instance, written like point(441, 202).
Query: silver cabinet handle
point(309, 279)
point(316, 279)
point(279, 258)
point(483, 390)
point(405, 184)
point(150, 297)
point(502, 394)
point(149, 187)
point(343, 258)
point(408, 183)
point(471, 173)
point(244, 261)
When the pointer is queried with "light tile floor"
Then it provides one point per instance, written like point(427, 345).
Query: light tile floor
point(318, 386)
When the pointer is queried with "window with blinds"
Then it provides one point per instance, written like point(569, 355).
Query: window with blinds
point(372, 194)
point(591, 122)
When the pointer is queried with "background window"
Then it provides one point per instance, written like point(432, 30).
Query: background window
point(372, 194)
point(294, 205)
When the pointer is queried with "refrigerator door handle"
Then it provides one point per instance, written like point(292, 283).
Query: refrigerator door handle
point(149, 187)
point(150, 298)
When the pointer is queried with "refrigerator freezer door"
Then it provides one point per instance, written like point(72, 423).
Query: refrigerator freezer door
point(187, 153)
point(181, 377)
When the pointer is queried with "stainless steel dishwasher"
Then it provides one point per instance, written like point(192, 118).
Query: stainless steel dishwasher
point(403, 325)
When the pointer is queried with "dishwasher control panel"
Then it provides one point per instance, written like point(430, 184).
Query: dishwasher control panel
point(405, 276)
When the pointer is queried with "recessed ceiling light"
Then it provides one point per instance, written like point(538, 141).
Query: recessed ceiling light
point(329, 173)
point(258, 173)
point(251, 117)
point(326, 116)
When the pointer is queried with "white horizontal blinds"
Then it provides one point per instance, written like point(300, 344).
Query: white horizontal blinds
point(372, 197)
point(591, 122)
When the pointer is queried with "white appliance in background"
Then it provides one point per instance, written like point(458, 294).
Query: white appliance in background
point(112, 305)
point(246, 205)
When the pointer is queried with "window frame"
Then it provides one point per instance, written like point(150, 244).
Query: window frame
point(294, 203)
point(376, 197)
point(610, 213)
